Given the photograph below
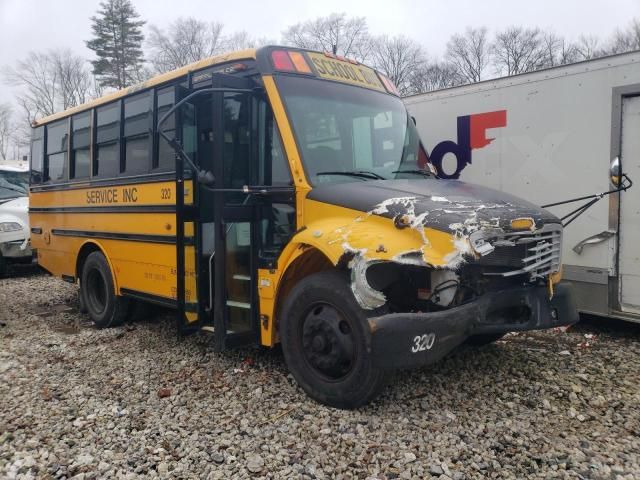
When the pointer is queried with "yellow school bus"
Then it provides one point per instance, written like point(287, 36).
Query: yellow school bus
point(284, 196)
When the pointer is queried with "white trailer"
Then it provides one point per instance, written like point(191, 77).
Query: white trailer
point(552, 135)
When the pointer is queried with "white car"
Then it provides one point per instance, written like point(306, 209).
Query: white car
point(14, 216)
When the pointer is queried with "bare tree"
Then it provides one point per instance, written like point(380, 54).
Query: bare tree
point(186, 40)
point(433, 76)
point(50, 81)
point(349, 37)
point(397, 57)
point(469, 53)
point(518, 50)
point(588, 47)
point(241, 40)
point(557, 50)
point(626, 39)
point(6, 134)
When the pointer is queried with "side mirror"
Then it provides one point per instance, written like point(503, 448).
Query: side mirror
point(615, 172)
point(414, 119)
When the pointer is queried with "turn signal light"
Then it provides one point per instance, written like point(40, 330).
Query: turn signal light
point(289, 61)
point(299, 62)
point(522, 223)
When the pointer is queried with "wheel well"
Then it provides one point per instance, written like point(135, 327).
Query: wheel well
point(309, 262)
point(86, 250)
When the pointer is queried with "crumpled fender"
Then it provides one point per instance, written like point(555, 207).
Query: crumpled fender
point(342, 231)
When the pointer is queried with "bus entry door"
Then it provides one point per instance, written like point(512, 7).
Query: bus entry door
point(235, 312)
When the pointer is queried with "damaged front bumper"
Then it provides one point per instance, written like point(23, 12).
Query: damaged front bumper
point(404, 340)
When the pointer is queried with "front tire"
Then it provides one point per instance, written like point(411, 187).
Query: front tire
point(326, 342)
point(98, 295)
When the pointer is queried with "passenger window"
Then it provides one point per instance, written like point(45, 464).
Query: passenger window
point(272, 162)
point(278, 213)
point(166, 155)
point(236, 146)
point(37, 155)
point(80, 142)
point(138, 118)
point(107, 162)
point(57, 145)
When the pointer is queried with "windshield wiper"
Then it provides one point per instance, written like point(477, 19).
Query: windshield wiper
point(424, 173)
point(355, 173)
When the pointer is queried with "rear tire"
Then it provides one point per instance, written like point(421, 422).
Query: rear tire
point(326, 342)
point(97, 293)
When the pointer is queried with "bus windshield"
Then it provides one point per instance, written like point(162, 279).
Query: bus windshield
point(13, 184)
point(347, 133)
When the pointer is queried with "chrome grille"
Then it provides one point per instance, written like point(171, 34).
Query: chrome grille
point(536, 254)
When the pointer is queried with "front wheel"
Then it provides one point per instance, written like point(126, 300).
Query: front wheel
point(326, 342)
point(98, 294)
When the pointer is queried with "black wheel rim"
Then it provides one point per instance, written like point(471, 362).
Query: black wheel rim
point(96, 292)
point(328, 342)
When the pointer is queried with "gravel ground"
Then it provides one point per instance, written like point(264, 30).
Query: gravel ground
point(137, 401)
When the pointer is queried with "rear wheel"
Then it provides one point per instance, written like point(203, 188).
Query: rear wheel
point(326, 342)
point(98, 295)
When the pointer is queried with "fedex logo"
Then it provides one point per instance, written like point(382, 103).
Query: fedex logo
point(472, 135)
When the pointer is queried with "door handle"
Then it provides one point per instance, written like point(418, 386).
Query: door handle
point(593, 239)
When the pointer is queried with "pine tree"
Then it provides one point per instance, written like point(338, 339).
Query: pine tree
point(117, 42)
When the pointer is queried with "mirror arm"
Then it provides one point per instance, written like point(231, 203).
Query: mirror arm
point(623, 187)
point(593, 199)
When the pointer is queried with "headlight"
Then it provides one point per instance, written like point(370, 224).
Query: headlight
point(10, 227)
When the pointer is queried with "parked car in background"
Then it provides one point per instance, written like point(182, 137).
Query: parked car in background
point(14, 216)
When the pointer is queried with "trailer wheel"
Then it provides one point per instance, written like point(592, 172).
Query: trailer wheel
point(325, 340)
point(97, 291)
point(483, 339)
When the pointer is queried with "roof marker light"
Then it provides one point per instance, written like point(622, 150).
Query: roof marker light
point(388, 84)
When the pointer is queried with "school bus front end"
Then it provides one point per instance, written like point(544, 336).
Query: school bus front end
point(391, 266)
point(302, 210)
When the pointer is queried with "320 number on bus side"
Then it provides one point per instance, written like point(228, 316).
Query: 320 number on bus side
point(422, 343)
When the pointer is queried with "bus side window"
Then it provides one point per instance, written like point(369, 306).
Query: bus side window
point(273, 166)
point(37, 155)
point(80, 142)
point(107, 154)
point(57, 143)
point(278, 217)
point(166, 158)
point(138, 118)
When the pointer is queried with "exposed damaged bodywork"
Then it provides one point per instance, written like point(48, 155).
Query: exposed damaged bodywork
point(436, 225)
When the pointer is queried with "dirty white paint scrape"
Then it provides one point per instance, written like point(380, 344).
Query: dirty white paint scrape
point(368, 297)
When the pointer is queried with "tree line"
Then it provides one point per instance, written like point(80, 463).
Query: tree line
point(124, 54)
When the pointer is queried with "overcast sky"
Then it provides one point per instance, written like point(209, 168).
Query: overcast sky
point(40, 24)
